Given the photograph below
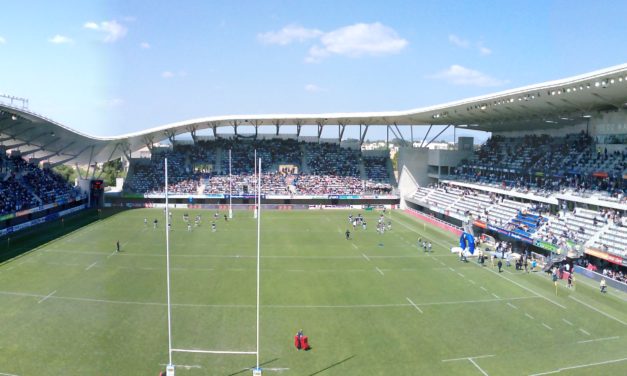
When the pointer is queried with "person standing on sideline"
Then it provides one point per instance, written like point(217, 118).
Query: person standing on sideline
point(603, 286)
point(117, 246)
point(570, 280)
point(500, 265)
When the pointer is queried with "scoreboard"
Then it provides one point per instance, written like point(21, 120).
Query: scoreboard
point(96, 193)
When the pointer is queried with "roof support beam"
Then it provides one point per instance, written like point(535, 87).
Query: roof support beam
point(278, 124)
point(400, 134)
point(108, 159)
point(192, 131)
point(299, 125)
point(234, 124)
point(426, 135)
point(340, 130)
point(63, 161)
point(170, 134)
point(320, 127)
point(438, 135)
point(362, 136)
point(256, 124)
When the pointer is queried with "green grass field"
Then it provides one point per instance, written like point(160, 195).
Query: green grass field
point(373, 305)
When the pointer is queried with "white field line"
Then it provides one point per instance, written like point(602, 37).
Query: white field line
point(496, 296)
point(468, 357)
point(546, 326)
point(46, 297)
point(451, 269)
point(366, 256)
point(599, 339)
point(580, 366)
point(379, 270)
point(7, 374)
point(528, 315)
point(214, 351)
point(483, 288)
point(477, 366)
point(567, 322)
point(274, 306)
point(511, 305)
point(414, 304)
point(524, 287)
point(584, 331)
point(461, 275)
point(354, 246)
point(598, 310)
point(91, 266)
point(401, 222)
point(471, 281)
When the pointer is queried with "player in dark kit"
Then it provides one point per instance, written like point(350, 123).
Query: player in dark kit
point(348, 234)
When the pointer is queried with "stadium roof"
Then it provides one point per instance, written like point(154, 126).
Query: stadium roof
point(552, 104)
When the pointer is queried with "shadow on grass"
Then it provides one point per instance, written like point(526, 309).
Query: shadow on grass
point(249, 369)
point(333, 365)
point(19, 243)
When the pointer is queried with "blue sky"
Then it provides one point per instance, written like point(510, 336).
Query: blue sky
point(112, 67)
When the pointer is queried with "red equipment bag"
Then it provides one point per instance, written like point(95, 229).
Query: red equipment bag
point(297, 342)
point(304, 344)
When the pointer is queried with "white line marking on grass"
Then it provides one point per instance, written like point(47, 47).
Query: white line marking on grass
point(580, 366)
point(567, 322)
point(227, 352)
point(379, 270)
point(584, 331)
point(276, 306)
point(187, 367)
point(451, 269)
point(461, 275)
point(7, 374)
point(468, 357)
point(277, 369)
point(354, 246)
point(111, 254)
point(46, 297)
point(91, 266)
point(599, 339)
point(526, 288)
point(483, 288)
point(528, 315)
point(546, 326)
point(479, 368)
point(414, 304)
point(598, 310)
point(471, 281)
point(496, 296)
point(511, 305)
point(365, 256)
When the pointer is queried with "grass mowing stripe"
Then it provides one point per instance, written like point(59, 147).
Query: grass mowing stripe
point(598, 310)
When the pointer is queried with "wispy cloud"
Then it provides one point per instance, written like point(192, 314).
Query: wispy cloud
point(484, 50)
point(112, 29)
point(356, 40)
point(3, 40)
point(145, 45)
point(288, 34)
point(170, 74)
point(459, 75)
point(60, 39)
point(313, 88)
point(458, 41)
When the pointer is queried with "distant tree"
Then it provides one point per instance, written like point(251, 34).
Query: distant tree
point(67, 172)
point(112, 170)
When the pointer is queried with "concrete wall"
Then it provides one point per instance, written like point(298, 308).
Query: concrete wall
point(416, 161)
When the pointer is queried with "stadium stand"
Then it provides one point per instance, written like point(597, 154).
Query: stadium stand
point(290, 168)
point(23, 186)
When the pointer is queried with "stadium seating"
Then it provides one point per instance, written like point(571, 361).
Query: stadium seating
point(290, 167)
point(23, 186)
